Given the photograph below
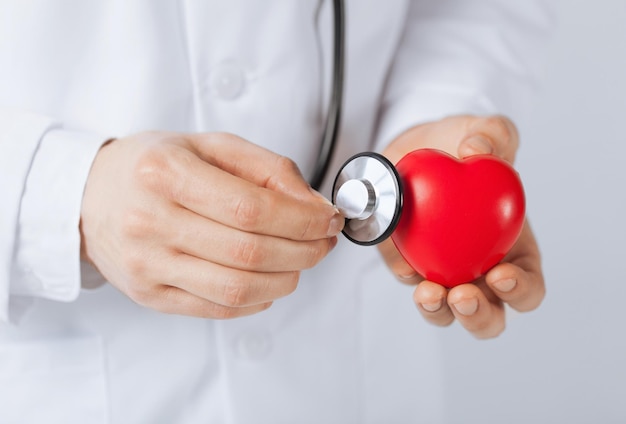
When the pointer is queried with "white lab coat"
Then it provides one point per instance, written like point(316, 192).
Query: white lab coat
point(348, 346)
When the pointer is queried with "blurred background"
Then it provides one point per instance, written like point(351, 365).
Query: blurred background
point(566, 362)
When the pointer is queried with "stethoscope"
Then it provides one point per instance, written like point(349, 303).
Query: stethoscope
point(367, 190)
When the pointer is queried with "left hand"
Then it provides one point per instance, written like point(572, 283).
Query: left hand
point(517, 280)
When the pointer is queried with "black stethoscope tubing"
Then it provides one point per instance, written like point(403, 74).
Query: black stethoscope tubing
point(386, 195)
point(331, 130)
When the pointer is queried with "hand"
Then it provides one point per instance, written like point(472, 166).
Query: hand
point(517, 280)
point(207, 225)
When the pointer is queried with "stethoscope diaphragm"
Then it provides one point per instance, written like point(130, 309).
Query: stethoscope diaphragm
point(368, 192)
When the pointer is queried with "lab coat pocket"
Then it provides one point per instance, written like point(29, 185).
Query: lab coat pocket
point(52, 381)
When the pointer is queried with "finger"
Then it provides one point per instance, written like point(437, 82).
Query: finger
point(202, 289)
point(396, 263)
point(173, 300)
point(254, 163)
point(229, 287)
point(477, 310)
point(519, 281)
point(430, 299)
point(495, 135)
point(233, 248)
point(216, 194)
point(522, 290)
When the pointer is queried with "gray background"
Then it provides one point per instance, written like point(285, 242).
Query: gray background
point(564, 363)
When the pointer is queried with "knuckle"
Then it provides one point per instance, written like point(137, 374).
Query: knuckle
point(283, 170)
point(236, 293)
point(154, 167)
point(248, 253)
point(315, 252)
point(135, 265)
point(137, 223)
point(286, 165)
point(248, 212)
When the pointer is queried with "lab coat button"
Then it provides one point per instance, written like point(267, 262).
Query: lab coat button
point(227, 81)
point(254, 346)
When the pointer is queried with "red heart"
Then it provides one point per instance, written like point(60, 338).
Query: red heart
point(460, 217)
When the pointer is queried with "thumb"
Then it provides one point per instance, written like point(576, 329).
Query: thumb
point(495, 135)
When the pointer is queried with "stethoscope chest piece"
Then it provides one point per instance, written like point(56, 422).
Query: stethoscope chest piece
point(368, 192)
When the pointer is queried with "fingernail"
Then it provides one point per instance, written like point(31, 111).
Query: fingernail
point(333, 242)
point(432, 307)
point(407, 277)
point(336, 225)
point(505, 286)
point(467, 307)
point(478, 145)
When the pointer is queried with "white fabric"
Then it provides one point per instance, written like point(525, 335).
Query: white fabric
point(348, 345)
point(49, 180)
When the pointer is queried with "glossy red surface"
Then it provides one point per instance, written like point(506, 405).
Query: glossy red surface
point(460, 217)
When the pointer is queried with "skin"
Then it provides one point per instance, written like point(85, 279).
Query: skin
point(207, 225)
point(211, 225)
point(517, 281)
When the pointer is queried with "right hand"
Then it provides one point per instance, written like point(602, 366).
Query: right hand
point(517, 281)
point(206, 225)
